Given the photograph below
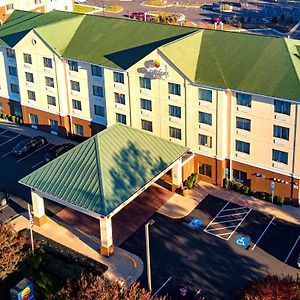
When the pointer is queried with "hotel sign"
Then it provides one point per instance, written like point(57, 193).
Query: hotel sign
point(153, 69)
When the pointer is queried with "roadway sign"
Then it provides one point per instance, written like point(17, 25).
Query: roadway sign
point(242, 241)
point(195, 223)
point(272, 186)
point(226, 172)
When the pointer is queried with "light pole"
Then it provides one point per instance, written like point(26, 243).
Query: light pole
point(150, 222)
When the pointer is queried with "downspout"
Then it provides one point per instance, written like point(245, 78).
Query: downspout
point(294, 152)
point(217, 111)
point(129, 100)
point(58, 94)
point(185, 113)
point(230, 135)
point(68, 98)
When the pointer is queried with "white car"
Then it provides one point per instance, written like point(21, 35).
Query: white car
point(80, 1)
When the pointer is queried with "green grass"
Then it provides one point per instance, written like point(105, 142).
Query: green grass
point(83, 8)
point(113, 9)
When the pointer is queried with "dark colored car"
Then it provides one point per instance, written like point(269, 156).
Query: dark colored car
point(216, 20)
point(29, 145)
point(138, 15)
point(57, 151)
point(3, 196)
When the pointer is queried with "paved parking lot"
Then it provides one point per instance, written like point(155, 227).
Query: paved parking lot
point(14, 168)
point(216, 264)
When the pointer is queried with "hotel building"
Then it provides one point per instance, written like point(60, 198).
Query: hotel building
point(8, 6)
point(232, 98)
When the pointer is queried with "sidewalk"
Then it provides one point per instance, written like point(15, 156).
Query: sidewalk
point(179, 206)
point(122, 266)
point(26, 130)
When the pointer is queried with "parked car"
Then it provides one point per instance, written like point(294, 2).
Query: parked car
point(216, 7)
point(80, 1)
point(298, 261)
point(3, 197)
point(138, 15)
point(216, 19)
point(57, 151)
point(29, 145)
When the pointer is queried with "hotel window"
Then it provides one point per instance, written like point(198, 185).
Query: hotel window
point(78, 129)
point(49, 81)
point(51, 100)
point(242, 147)
point(12, 71)
point(145, 83)
point(47, 62)
point(175, 111)
point(242, 123)
point(146, 104)
point(97, 91)
point(175, 133)
point(27, 58)
point(1, 106)
point(174, 88)
point(76, 104)
point(282, 107)
point(121, 118)
point(17, 111)
point(99, 110)
point(9, 6)
point(281, 132)
point(96, 71)
point(205, 95)
point(205, 140)
point(31, 95)
point(118, 77)
point(239, 176)
point(147, 125)
point(75, 86)
point(243, 99)
point(280, 156)
point(10, 53)
point(53, 125)
point(29, 77)
point(33, 119)
point(205, 170)
point(205, 118)
point(119, 98)
point(73, 65)
point(14, 88)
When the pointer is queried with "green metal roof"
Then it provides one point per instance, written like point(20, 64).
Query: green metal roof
point(238, 61)
point(243, 62)
point(106, 170)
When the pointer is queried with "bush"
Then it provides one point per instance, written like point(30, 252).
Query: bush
point(3, 116)
point(225, 183)
point(237, 186)
point(279, 200)
point(13, 119)
point(8, 117)
point(244, 189)
point(251, 193)
point(191, 181)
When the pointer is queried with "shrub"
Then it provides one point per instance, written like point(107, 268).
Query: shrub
point(225, 183)
point(260, 195)
point(191, 180)
point(13, 119)
point(8, 117)
point(280, 200)
point(269, 198)
point(251, 193)
point(244, 189)
point(237, 186)
point(287, 201)
point(3, 116)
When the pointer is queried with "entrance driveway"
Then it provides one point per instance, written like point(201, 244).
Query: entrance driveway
point(125, 222)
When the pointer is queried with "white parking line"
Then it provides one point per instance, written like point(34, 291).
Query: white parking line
point(9, 140)
point(221, 228)
point(218, 235)
point(233, 220)
point(37, 164)
point(216, 216)
point(239, 224)
point(31, 153)
point(262, 234)
point(162, 286)
point(223, 216)
point(243, 207)
point(3, 132)
point(292, 249)
point(7, 153)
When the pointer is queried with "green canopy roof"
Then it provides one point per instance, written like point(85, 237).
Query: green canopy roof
point(107, 169)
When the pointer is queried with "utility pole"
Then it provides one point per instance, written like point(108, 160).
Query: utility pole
point(150, 222)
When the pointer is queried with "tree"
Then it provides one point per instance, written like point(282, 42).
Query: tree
point(11, 246)
point(89, 287)
point(272, 287)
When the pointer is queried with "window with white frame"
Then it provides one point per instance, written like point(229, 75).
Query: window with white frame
point(205, 140)
point(175, 133)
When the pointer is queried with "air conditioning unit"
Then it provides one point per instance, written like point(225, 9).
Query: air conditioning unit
point(279, 142)
point(145, 112)
point(280, 118)
point(244, 109)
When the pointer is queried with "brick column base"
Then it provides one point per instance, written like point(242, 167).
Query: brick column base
point(107, 251)
point(40, 221)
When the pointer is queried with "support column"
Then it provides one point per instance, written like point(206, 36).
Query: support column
point(38, 205)
point(176, 176)
point(106, 237)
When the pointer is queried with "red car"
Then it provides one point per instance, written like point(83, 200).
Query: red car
point(216, 20)
point(140, 15)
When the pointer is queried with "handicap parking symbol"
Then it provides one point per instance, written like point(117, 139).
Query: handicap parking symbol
point(242, 241)
point(195, 223)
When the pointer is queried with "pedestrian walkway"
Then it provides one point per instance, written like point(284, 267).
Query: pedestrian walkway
point(179, 207)
point(122, 266)
point(27, 131)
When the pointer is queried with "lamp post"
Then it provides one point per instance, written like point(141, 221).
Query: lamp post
point(150, 222)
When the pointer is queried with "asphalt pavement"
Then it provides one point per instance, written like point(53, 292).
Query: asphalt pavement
point(219, 267)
